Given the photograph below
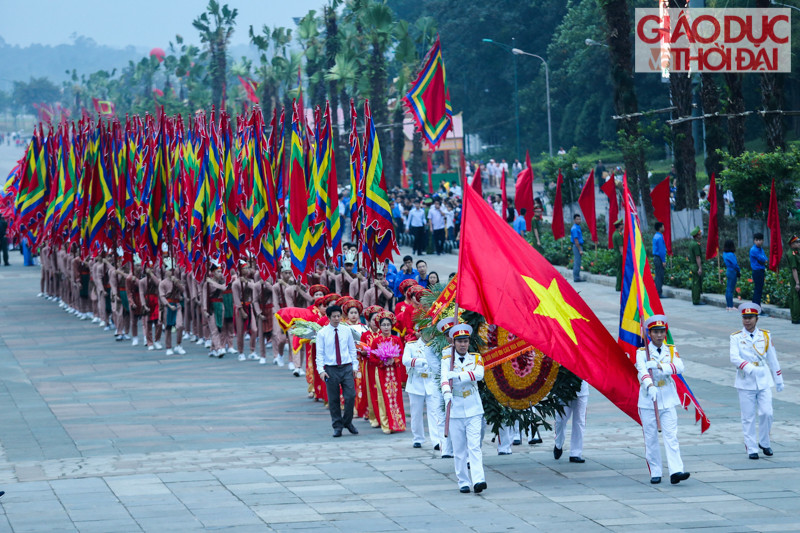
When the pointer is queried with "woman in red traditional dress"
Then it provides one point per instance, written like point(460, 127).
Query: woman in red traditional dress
point(351, 309)
point(369, 369)
point(388, 387)
point(316, 291)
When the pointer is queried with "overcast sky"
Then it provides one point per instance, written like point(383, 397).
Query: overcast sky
point(145, 23)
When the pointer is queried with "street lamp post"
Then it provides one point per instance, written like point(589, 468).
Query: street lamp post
point(511, 49)
point(516, 52)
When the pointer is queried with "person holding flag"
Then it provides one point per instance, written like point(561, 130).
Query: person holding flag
point(466, 408)
point(656, 362)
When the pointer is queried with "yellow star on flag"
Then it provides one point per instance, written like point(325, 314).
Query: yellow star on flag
point(553, 305)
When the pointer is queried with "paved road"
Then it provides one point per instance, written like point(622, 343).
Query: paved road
point(101, 436)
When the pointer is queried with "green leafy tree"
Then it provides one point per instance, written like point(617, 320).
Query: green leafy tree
point(749, 176)
point(37, 90)
point(216, 28)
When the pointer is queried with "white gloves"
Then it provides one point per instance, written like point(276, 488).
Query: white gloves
point(652, 364)
point(749, 368)
point(421, 365)
point(779, 387)
point(651, 393)
point(448, 397)
point(452, 374)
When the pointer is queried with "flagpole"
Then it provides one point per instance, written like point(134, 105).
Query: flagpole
point(450, 381)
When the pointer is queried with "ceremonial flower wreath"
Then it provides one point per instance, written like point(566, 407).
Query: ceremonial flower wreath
point(501, 404)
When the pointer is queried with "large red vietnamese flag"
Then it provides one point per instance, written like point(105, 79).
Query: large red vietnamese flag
point(519, 290)
point(662, 210)
point(477, 181)
point(774, 225)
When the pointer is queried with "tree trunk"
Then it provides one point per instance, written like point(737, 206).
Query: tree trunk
point(398, 141)
point(735, 104)
point(617, 16)
point(715, 136)
point(772, 99)
point(416, 159)
point(683, 141)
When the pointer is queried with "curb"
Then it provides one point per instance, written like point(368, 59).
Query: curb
point(717, 300)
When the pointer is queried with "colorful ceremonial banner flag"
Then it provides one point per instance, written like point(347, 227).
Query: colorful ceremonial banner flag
point(610, 189)
point(558, 211)
point(639, 300)
point(378, 225)
point(429, 100)
point(519, 290)
point(774, 225)
point(477, 181)
point(662, 211)
point(298, 227)
point(712, 242)
point(587, 203)
point(104, 108)
point(523, 195)
point(332, 218)
point(356, 181)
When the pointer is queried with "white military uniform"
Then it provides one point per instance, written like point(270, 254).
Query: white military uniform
point(577, 410)
point(422, 390)
point(466, 415)
point(667, 399)
point(758, 370)
point(506, 436)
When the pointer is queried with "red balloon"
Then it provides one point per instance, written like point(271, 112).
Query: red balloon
point(159, 53)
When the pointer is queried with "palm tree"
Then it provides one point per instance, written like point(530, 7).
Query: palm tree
point(216, 27)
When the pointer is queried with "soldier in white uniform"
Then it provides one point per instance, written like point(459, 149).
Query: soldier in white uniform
point(460, 391)
point(656, 363)
point(757, 369)
point(422, 390)
point(444, 326)
point(577, 410)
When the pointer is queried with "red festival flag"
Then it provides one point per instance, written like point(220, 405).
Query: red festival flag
point(404, 175)
point(558, 211)
point(523, 195)
point(586, 201)
point(774, 225)
point(661, 209)
point(712, 244)
point(519, 290)
point(504, 194)
point(476, 181)
point(249, 87)
point(610, 189)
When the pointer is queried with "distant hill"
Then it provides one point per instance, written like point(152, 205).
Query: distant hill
point(84, 55)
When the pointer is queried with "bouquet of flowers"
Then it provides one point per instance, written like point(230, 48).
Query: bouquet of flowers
point(387, 352)
point(303, 329)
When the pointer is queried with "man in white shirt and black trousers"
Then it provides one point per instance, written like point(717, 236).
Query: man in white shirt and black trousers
point(336, 363)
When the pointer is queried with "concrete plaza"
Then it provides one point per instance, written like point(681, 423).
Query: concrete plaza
point(99, 436)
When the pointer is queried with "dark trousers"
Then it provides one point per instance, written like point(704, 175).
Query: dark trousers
point(758, 284)
point(4, 249)
point(438, 240)
point(731, 288)
point(419, 239)
point(659, 266)
point(341, 376)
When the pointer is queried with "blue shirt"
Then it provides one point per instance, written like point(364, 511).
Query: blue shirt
point(519, 225)
point(660, 247)
point(730, 261)
point(758, 259)
point(397, 210)
point(576, 233)
point(400, 278)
